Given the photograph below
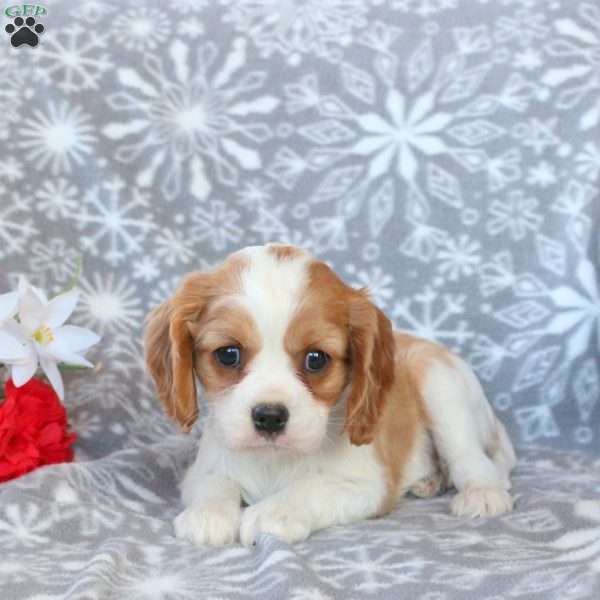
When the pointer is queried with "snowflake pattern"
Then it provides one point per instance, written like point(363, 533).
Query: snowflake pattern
point(55, 258)
point(12, 170)
point(59, 139)
point(11, 93)
point(108, 305)
point(578, 42)
point(122, 222)
point(199, 119)
point(445, 155)
point(141, 32)
point(409, 129)
point(431, 321)
point(15, 227)
point(57, 199)
point(297, 27)
point(516, 214)
point(23, 526)
point(218, 224)
point(75, 59)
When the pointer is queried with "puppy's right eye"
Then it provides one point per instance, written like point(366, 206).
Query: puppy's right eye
point(315, 361)
point(228, 356)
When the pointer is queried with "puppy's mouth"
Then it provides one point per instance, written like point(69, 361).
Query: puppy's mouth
point(272, 443)
point(276, 442)
point(280, 443)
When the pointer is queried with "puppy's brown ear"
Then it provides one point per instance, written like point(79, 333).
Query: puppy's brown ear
point(372, 348)
point(169, 349)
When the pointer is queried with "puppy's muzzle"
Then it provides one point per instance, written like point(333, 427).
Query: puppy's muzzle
point(270, 419)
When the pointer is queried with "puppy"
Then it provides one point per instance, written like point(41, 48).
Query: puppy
point(318, 413)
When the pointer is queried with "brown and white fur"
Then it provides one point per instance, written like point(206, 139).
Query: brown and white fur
point(388, 414)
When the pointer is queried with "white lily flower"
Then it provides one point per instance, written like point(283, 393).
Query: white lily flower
point(11, 348)
point(45, 337)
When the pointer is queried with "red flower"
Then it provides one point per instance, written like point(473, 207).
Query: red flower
point(33, 429)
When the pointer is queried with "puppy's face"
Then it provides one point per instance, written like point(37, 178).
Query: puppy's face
point(287, 354)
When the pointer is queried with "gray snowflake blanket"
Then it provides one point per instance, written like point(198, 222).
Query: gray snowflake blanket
point(444, 153)
point(102, 529)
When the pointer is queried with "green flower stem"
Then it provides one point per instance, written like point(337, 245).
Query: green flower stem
point(76, 276)
point(69, 368)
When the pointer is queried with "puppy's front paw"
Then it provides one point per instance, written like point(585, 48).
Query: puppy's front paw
point(269, 516)
point(476, 501)
point(214, 524)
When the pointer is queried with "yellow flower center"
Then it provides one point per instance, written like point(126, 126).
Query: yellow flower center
point(43, 335)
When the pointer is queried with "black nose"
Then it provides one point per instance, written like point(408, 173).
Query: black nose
point(270, 418)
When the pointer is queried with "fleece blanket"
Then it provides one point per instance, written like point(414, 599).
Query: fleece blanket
point(102, 529)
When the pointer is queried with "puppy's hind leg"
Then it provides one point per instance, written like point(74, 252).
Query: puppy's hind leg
point(430, 486)
point(464, 430)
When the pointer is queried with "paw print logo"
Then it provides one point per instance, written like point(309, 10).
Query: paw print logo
point(24, 31)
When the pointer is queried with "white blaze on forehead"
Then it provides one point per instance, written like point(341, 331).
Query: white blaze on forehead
point(271, 289)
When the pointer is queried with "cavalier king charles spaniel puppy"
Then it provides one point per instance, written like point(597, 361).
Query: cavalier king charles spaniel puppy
point(318, 413)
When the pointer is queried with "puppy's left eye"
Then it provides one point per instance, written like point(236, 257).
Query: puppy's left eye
point(228, 356)
point(315, 361)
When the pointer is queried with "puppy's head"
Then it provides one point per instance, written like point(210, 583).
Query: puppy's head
point(287, 354)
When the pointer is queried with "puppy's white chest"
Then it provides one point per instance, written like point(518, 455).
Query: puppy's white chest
point(262, 475)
